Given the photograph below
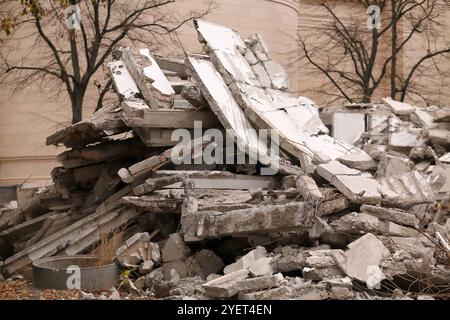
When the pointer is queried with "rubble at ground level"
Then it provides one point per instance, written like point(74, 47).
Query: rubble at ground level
point(356, 212)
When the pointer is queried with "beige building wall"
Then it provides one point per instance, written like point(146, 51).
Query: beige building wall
point(28, 117)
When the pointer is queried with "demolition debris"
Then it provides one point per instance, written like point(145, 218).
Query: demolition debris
point(347, 203)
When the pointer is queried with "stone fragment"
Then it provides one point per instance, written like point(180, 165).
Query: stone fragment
point(281, 293)
point(246, 261)
point(358, 186)
point(134, 251)
point(154, 277)
point(360, 161)
point(181, 267)
point(175, 249)
point(398, 108)
point(362, 223)
point(233, 283)
point(391, 214)
point(390, 165)
point(146, 267)
point(363, 255)
point(262, 267)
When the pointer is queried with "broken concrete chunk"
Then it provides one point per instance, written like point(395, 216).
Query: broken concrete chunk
point(134, 251)
point(225, 286)
point(151, 81)
point(258, 219)
point(360, 161)
point(146, 267)
point(399, 108)
point(208, 262)
point(180, 268)
point(358, 186)
point(361, 261)
point(423, 117)
point(262, 267)
point(154, 277)
point(361, 223)
point(391, 214)
point(123, 82)
point(408, 189)
point(262, 75)
point(233, 283)
point(277, 75)
point(246, 261)
point(281, 293)
point(308, 188)
point(445, 158)
point(391, 165)
point(154, 252)
point(175, 249)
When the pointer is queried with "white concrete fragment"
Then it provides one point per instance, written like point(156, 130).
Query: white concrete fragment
point(363, 258)
point(397, 107)
point(246, 261)
point(358, 186)
point(122, 79)
point(408, 189)
point(423, 117)
point(348, 127)
point(153, 72)
point(360, 161)
point(391, 165)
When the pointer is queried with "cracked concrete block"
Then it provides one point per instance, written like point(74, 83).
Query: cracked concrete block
point(223, 287)
point(424, 118)
point(262, 267)
point(398, 108)
point(233, 283)
point(392, 214)
point(360, 161)
point(408, 189)
point(362, 223)
point(347, 126)
point(150, 79)
point(277, 75)
point(246, 261)
point(146, 267)
point(404, 135)
point(258, 219)
point(250, 57)
point(175, 249)
point(358, 186)
point(134, 251)
point(364, 254)
point(391, 165)
point(262, 75)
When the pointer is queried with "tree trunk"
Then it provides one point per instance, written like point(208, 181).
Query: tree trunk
point(77, 105)
point(394, 50)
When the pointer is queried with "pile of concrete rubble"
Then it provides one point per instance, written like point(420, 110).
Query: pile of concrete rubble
point(360, 213)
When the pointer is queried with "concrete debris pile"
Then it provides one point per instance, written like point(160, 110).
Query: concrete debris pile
point(353, 214)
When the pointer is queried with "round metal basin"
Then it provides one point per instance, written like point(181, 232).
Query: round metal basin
point(73, 272)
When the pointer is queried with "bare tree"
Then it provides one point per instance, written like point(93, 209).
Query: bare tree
point(357, 60)
point(72, 39)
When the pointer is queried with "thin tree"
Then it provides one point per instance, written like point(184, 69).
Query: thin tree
point(72, 39)
point(357, 58)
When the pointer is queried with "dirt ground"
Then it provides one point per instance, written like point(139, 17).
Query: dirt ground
point(24, 290)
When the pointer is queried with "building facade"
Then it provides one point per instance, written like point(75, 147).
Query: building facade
point(28, 117)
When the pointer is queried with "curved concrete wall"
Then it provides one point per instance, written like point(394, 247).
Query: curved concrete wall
point(28, 117)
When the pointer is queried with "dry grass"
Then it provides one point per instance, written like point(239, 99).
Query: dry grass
point(107, 247)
